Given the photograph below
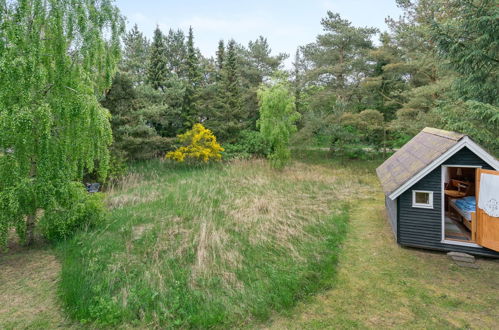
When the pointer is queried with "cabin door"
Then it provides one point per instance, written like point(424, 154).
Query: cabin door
point(487, 224)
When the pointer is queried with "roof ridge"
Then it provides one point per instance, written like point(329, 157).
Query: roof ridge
point(443, 133)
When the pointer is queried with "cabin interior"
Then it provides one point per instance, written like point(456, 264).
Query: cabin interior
point(459, 203)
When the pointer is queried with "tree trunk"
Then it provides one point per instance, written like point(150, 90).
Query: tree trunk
point(31, 218)
point(384, 143)
point(30, 229)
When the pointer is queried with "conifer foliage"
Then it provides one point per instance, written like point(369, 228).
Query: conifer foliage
point(135, 57)
point(157, 64)
point(193, 80)
point(228, 118)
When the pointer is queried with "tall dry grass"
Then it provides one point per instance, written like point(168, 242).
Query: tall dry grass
point(211, 246)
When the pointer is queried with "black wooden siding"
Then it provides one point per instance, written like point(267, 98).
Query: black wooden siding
point(420, 227)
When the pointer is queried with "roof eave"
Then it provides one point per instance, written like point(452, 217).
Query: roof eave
point(464, 142)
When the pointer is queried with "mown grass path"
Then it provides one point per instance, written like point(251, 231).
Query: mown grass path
point(381, 285)
point(28, 286)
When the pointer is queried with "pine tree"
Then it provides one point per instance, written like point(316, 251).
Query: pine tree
point(256, 65)
point(190, 112)
point(158, 70)
point(135, 56)
point(384, 86)
point(259, 64)
point(338, 56)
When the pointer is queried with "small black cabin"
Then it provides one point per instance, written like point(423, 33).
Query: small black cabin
point(432, 189)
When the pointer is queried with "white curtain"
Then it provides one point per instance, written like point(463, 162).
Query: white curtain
point(488, 200)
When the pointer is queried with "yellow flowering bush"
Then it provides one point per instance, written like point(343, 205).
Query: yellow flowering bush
point(199, 144)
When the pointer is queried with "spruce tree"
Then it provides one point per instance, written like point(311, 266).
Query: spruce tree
point(228, 118)
point(213, 94)
point(220, 59)
point(157, 63)
point(193, 80)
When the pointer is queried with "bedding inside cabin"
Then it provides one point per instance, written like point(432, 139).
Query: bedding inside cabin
point(465, 206)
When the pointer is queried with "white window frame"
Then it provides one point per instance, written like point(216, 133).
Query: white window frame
point(420, 205)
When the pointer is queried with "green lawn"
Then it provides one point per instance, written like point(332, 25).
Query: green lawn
point(210, 246)
point(380, 285)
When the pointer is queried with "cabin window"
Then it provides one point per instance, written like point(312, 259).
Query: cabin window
point(422, 199)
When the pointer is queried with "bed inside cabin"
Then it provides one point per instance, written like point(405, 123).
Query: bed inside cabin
point(459, 203)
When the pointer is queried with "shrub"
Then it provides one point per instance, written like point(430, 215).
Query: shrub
point(117, 166)
point(346, 140)
point(250, 143)
point(254, 143)
point(79, 210)
point(235, 151)
point(199, 144)
point(117, 169)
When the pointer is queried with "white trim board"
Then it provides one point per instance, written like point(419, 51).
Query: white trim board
point(422, 205)
point(450, 242)
point(464, 142)
point(442, 206)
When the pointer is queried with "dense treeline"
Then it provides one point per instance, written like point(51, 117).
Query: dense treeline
point(437, 66)
point(165, 86)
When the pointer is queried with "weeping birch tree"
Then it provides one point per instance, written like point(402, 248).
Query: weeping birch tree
point(277, 121)
point(57, 58)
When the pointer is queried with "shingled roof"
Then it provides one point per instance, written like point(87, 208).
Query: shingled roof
point(414, 156)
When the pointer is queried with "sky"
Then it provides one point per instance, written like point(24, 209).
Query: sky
point(285, 24)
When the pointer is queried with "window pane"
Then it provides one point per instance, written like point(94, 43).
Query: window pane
point(422, 198)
